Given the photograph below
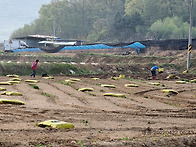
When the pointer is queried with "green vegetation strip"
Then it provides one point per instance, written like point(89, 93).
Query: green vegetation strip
point(34, 86)
point(47, 95)
point(50, 69)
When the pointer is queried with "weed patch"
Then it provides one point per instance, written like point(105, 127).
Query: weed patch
point(92, 94)
point(34, 86)
point(85, 122)
point(64, 83)
point(47, 95)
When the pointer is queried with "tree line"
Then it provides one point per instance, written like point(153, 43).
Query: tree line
point(112, 20)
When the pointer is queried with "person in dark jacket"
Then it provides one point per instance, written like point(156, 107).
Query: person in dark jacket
point(34, 67)
point(153, 71)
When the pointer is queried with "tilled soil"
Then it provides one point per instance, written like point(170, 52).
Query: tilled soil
point(144, 117)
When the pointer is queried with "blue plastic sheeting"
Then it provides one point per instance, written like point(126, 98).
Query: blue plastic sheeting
point(135, 45)
point(27, 50)
point(138, 44)
point(84, 47)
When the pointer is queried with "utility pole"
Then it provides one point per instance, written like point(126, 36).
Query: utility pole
point(190, 35)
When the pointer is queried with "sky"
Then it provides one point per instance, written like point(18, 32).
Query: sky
point(14, 14)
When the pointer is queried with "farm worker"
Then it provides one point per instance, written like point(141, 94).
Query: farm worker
point(153, 71)
point(138, 50)
point(34, 67)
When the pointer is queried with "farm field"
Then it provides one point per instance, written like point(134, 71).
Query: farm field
point(128, 111)
point(145, 116)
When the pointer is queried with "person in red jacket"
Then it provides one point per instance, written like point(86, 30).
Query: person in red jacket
point(34, 67)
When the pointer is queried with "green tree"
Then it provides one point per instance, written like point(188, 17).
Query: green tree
point(170, 28)
point(112, 20)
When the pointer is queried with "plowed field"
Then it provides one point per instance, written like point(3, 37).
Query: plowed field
point(144, 117)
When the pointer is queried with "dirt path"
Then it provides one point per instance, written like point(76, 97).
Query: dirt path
point(145, 117)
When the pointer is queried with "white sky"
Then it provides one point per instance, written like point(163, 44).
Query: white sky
point(13, 18)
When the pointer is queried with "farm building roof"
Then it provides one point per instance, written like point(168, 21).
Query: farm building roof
point(37, 36)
